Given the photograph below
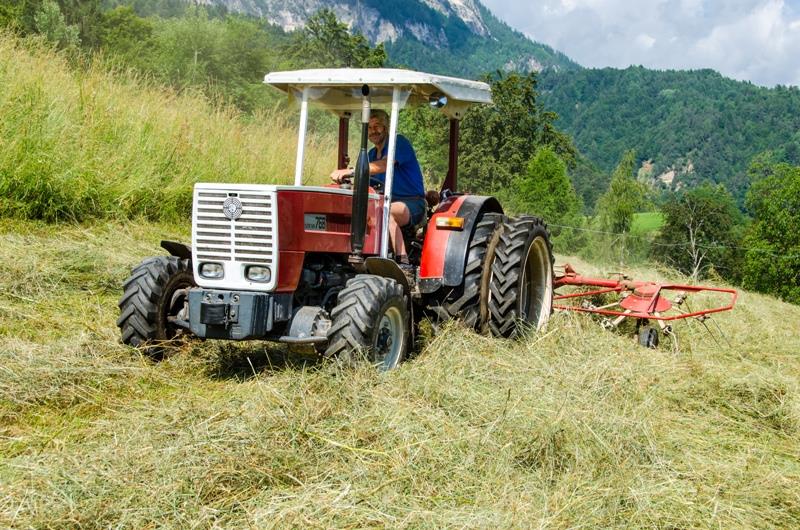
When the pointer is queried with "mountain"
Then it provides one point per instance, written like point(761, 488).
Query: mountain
point(687, 127)
point(458, 37)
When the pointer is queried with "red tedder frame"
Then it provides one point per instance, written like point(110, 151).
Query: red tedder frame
point(639, 299)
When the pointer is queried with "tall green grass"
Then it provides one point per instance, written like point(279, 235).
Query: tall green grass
point(79, 143)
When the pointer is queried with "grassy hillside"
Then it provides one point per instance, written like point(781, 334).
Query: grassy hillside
point(576, 427)
point(87, 144)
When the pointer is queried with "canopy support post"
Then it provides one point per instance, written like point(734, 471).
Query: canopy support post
point(301, 139)
point(344, 128)
point(387, 194)
point(451, 181)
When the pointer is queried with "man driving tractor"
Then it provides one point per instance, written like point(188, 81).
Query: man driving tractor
point(408, 193)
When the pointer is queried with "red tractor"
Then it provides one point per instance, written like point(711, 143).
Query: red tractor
point(312, 265)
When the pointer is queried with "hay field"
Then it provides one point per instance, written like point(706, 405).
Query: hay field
point(573, 428)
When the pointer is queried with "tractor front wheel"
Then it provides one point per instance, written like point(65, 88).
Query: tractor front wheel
point(521, 283)
point(371, 316)
point(154, 295)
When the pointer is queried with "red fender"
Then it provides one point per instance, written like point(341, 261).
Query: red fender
point(444, 252)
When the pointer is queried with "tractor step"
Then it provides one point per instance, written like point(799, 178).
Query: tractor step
point(288, 339)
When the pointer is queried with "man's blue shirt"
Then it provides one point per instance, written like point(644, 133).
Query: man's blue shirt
point(407, 174)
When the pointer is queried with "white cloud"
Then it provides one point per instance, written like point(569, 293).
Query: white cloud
point(645, 41)
point(755, 40)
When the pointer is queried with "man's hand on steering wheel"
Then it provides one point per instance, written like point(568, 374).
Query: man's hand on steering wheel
point(340, 176)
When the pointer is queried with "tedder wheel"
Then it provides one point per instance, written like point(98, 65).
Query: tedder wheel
point(371, 315)
point(153, 296)
point(521, 282)
point(464, 301)
point(648, 337)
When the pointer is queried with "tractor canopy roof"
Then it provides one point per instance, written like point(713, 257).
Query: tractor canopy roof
point(340, 89)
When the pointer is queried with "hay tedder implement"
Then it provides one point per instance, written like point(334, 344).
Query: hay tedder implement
point(619, 299)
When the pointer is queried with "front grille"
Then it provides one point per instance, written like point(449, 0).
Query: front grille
point(248, 240)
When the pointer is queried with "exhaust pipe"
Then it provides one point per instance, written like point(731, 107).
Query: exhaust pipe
point(358, 224)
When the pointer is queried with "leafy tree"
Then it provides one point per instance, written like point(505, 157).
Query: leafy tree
point(625, 195)
point(702, 229)
point(498, 141)
point(226, 58)
point(544, 189)
point(429, 130)
point(50, 22)
point(772, 261)
point(87, 16)
point(589, 182)
point(128, 37)
point(10, 13)
point(326, 42)
point(148, 8)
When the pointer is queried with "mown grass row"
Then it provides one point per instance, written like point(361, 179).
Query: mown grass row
point(81, 143)
point(577, 427)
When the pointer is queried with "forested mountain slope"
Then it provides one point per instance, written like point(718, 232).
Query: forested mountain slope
point(700, 124)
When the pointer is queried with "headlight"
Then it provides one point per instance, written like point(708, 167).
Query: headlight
point(212, 271)
point(257, 273)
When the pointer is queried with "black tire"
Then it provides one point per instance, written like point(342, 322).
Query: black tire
point(648, 337)
point(521, 283)
point(147, 303)
point(464, 302)
point(370, 310)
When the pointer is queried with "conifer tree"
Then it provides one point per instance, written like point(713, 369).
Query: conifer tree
point(625, 195)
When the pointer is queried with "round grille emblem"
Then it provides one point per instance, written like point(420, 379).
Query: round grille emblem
point(232, 208)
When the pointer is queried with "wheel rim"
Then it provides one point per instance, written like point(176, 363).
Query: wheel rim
point(536, 286)
point(389, 339)
point(172, 309)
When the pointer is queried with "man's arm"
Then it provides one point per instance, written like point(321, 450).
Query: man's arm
point(378, 166)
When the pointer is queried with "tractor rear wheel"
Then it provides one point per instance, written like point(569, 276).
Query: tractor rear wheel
point(371, 316)
point(464, 302)
point(521, 283)
point(153, 296)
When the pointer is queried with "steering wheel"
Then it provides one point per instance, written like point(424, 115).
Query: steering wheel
point(346, 182)
point(377, 184)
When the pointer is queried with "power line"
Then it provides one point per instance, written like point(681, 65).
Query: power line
point(713, 246)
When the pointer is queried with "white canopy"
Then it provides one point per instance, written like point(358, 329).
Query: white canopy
point(339, 89)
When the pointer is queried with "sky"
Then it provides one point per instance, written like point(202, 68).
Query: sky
point(748, 40)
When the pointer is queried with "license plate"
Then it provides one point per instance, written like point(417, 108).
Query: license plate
point(315, 222)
